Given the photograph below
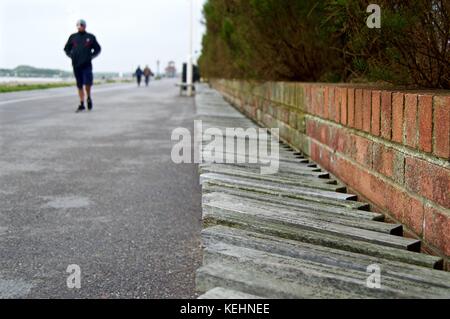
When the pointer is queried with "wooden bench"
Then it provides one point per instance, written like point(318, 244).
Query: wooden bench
point(297, 233)
point(184, 86)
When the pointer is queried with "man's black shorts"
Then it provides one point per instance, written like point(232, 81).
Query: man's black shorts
point(84, 76)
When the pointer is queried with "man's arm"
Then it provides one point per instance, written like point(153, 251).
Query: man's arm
point(96, 48)
point(68, 47)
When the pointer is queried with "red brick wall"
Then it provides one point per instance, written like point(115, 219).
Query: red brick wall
point(391, 147)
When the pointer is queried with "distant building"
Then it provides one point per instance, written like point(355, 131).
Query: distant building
point(171, 70)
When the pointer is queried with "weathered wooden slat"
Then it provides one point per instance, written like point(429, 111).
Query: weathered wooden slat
point(227, 120)
point(308, 273)
point(215, 184)
point(306, 182)
point(293, 167)
point(251, 281)
point(291, 203)
point(219, 112)
point(289, 189)
point(325, 255)
point(222, 210)
point(223, 293)
point(292, 232)
point(210, 129)
point(227, 130)
point(303, 170)
point(252, 158)
point(286, 163)
point(242, 146)
point(291, 214)
point(256, 169)
point(225, 187)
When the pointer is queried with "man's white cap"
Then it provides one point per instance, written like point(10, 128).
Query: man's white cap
point(81, 22)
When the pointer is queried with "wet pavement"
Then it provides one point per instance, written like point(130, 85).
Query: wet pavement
point(98, 190)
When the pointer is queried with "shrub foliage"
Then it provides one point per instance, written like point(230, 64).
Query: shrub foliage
point(304, 40)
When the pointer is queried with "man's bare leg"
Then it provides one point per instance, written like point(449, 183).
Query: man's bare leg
point(88, 91)
point(89, 100)
point(81, 95)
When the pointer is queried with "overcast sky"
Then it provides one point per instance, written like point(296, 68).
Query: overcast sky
point(131, 32)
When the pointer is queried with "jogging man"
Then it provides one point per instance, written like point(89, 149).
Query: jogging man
point(82, 47)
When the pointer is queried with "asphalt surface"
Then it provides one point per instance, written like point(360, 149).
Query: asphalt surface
point(98, 190)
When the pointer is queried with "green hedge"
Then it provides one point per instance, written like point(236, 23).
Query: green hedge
point(303, 40)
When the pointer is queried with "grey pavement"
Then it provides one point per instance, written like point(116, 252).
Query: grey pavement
point(98, 190)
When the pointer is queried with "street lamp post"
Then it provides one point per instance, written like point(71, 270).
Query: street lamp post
point(189, 72)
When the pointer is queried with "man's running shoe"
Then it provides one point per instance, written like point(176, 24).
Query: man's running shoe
point(81, 108)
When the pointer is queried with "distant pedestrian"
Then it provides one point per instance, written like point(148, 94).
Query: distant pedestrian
point(138, 73)
point(82, 47)
point(147, 74)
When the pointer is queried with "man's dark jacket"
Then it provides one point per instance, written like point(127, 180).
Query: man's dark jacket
point(82, 47)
